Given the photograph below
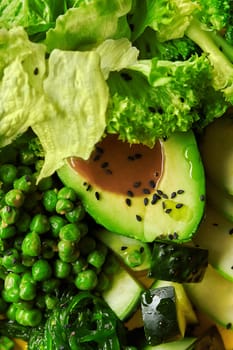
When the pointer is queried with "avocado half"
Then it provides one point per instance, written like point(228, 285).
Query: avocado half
point(141, 192)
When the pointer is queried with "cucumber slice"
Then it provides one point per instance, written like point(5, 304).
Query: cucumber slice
point(216, 234)
point(161, 316)
point(221, 200)
point(134, 253)
point(182, 344)
point(184, 303)
point(213, 296)
point(178, 262)
point(124, 295)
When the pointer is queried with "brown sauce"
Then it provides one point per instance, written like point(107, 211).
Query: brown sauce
point(119, 167)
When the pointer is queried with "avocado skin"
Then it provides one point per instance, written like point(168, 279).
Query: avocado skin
point(174, 209)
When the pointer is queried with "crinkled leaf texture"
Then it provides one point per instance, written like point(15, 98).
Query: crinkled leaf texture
point(64, 98)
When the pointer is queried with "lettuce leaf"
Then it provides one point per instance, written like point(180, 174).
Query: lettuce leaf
point(35, 16)
point(76, 119)
point(88, 24)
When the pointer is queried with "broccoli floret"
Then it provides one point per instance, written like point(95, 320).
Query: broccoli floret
point(155, 98)
point(200, 21)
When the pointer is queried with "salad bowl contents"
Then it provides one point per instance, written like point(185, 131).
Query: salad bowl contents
point(114, 216)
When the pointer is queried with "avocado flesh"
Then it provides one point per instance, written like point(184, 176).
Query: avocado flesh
point(180, 189)
point(216, 147)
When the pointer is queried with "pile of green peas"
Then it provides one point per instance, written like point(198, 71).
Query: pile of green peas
point(45, 241)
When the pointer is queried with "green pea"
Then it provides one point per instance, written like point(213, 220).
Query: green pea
point(11, 257)
point(50, 285)
point(9, 214)
point(40, 223)
point(48, 248)
point(67, 193)
point(86, 280)
point(6, 343)
point(76, 214)
point(86, 245)
point(7, 231)
point(10, 292)
point(67, 251)
point(41, 270)
point(15, 198)
point(134, 258)
point(111, 265)
point(45, 184)
point(25, 183)
point(23, 223)
point(49, 200)
point(8, 173)
point(50, 301)
point(96, 258)
point(28, 261)
point(79, 265)
point(56, 223)
point(62, 269)
point(11, 311)
point(63, 206)
point(11, 295)
point(27, 287)
point(23, 170)
point(30, 318)
point(70, 232)
point(31, 245)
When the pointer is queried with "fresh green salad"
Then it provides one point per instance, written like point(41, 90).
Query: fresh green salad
point(71, 73)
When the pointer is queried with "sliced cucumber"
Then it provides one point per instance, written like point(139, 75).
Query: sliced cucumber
point(161, 315)
point(213, 296)
point(124, 295)
point(182, 344)
point(216, 234)
point(178, 262)
point(184, 303)
point(134, 253)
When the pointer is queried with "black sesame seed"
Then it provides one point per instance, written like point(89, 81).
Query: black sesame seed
point(128, 202)
point(124, 247)
point(104, 165)
point(180, 191)
point(130, 193)
point(36, 71)
point(202, 197)
point(137, 184)
point(152, 183)
point(84, 183)
point(170, 236)
point(168, 211)
point(138, 218)
point(229, 325)
point(152, 109)
point(155, 199)
point(108, 171)
point(96, 157)
point(130, 157)
point(146, 191)
point(175, 235)
point(157, 174)
point(97, 196)
point(160, 192)
point(173, 194)
point(99, 149)
point(179, 205)
point(88, 187)
point(164, 205)
point(231, 231)
point(141, 250)
point(138, 156)
point(146, 201)
point(165, 196)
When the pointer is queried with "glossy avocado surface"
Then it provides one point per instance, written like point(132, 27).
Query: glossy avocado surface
point(141, 192)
